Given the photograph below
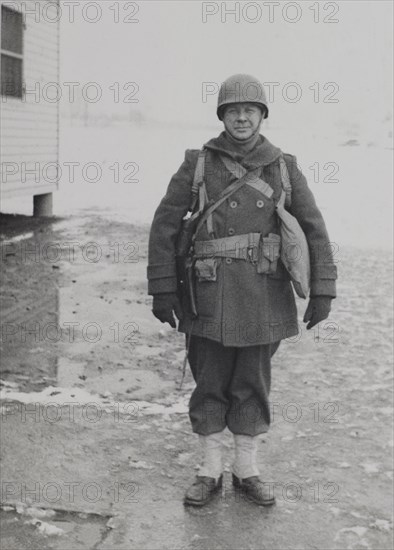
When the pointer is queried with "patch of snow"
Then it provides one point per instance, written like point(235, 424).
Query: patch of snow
point(77, 396)
point(140, 464)
point(19, 238)
point(357, 515)
point(370, 467)
point(80, 397)
point(7, 508)
point(381, 524)
point(40, 513)
point(45, 528)
point(357, 530)
point(8, 384)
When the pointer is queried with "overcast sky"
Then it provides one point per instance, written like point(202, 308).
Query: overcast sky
point(170, 52)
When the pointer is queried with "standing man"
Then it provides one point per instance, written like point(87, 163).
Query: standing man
point(241, 304)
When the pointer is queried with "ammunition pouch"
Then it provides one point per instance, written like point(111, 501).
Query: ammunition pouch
point(268, 255)
point(205, 269)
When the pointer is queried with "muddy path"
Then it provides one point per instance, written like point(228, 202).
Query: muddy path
point(96, 443)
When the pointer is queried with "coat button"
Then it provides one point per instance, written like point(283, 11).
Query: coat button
point(233, 204)
point(229, 261)
point(259, 204)
point(231, 231)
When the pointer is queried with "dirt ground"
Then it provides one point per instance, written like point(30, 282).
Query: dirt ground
point(97, 448)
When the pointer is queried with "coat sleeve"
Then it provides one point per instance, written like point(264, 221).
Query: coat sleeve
point(166, 225)
point(304, 208)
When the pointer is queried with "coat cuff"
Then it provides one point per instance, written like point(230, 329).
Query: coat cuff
point(161, 286)
point(160, 271)
point(162, 278)
point(323, 280)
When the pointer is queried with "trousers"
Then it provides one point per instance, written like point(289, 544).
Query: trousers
point(232, 387)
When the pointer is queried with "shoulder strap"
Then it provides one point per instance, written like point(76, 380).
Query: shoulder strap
point(234, 167)
point(199, 171)
point(198, 189)
point(286, 183)
point(238, 171)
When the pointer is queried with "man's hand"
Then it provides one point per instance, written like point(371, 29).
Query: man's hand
point(318, 309)
point(163, 307)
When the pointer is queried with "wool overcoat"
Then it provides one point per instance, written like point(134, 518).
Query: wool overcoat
point(241, 307)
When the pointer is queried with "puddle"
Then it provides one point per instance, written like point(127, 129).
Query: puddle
point(64, 529)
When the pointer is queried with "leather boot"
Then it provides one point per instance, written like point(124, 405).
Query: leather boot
point(255, 490)
point(202, 490)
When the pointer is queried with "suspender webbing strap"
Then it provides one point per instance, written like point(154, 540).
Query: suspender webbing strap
point(199, 191)
point(199, 171)
point(286, 184)
point(235, 186)
point(238, 171)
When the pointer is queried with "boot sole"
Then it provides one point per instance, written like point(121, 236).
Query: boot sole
point(197, 503)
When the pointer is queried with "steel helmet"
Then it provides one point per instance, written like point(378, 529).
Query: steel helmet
point(241, 88)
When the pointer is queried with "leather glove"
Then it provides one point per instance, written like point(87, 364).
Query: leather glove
point(163, 307)
point(318, 309)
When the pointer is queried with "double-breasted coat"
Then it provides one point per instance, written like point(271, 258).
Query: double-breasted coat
point(241, 307)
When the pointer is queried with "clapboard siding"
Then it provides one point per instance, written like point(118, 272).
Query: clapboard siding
point(31, 133)
point(30, 127)
point(15, 145)
point(19, 114)
point(15, 117)
point(19, 159)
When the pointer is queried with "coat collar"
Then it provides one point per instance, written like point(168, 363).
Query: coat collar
point(263, 154)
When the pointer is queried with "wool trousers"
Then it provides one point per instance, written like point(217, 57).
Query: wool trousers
point(232, 387)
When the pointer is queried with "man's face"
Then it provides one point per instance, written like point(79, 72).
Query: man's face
point(242, 120)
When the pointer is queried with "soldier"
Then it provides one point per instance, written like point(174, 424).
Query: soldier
point(241, 290)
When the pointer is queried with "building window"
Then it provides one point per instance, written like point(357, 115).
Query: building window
point(11, 52)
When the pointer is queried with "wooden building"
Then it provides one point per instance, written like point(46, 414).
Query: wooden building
point(30, 101)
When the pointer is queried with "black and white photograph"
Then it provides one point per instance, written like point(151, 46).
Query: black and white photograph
point(196, 293)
